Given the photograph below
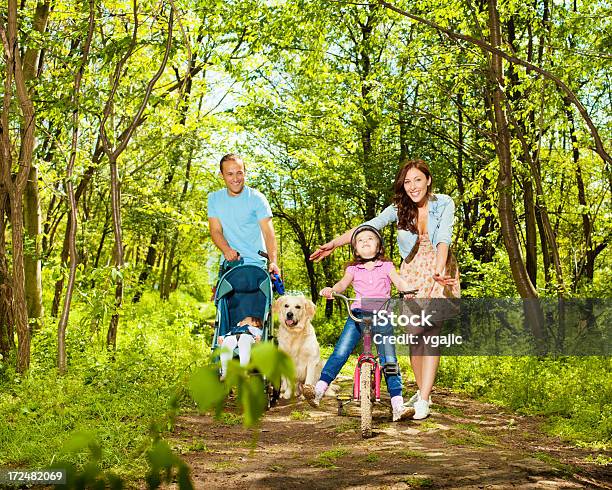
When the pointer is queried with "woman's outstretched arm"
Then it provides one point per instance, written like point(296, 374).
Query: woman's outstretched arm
point(327, 248)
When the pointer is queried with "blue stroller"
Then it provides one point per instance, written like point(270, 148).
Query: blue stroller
point(244, 290)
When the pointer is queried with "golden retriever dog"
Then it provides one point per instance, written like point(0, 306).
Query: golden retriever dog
point(296, 337)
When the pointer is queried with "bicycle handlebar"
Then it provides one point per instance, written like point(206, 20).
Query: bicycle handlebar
point(348, 306)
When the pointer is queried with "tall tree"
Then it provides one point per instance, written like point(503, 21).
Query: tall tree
point(15, 88)
point(114, 151)
point(72, 222)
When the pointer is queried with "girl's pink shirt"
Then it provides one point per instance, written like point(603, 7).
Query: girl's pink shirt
point(374, 284)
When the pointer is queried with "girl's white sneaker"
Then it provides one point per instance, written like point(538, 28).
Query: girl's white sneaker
point(421, 409)
point(313, 397)
point(402, 413)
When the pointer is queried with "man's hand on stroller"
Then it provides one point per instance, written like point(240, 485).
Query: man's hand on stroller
point(273, 268)
point(231, 255)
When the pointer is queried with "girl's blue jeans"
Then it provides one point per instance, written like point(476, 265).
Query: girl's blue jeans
point(349, 338)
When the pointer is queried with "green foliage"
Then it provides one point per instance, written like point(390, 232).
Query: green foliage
point(323, 110)
point(112, 398)
point(299, 415)
point(328, 330)
point(328, 459)
point(266, 360)
point(573, 392)
point(418, 482)
point(163, 461)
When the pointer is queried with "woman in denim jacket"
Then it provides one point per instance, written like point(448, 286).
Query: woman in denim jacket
point(425, 227)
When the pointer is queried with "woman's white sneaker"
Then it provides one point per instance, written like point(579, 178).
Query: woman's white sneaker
point(421, 409)
point(413, 399)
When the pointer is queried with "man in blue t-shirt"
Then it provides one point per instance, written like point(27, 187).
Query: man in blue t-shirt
point(240, 218)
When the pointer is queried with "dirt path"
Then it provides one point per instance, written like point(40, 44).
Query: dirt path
point(464, 444)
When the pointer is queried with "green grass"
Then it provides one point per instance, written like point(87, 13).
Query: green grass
point(328, 459)
point(475, 439)
point(348, 426)
point(469, 427)
point(418, 482)
point(299, 415)
point(229, 418)
point(224, 466)
point(573, 393)
point(565, 469)
point(371, 458)
point(115, 402)
point(196, 446)
point(599, 459)
point(427, 425)
point(450, 410)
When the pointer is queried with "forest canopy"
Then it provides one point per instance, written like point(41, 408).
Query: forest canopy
point(115, 116)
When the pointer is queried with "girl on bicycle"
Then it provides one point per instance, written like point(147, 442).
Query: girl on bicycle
point(371, 275)
point(424, 223)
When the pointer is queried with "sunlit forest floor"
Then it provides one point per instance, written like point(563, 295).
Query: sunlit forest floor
point(464, 444)
point(495, 421)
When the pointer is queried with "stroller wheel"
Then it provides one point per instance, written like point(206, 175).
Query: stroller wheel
point(272, 394)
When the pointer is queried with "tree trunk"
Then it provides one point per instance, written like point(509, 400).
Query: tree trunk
point(15, 84)
point(32, 262)
point(302, 241)
point(59, 284)
point(21, 310)
point(533, 311)
point(63, 323)
point(32, 213)
point(113, 155)
point(531, 242)
point(148, 265)
point(164, 292)
point(502, 147)
point(115, 191)
point(7, 341)
point(586, 265)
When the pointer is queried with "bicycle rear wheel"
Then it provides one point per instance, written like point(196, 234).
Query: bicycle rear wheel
point(365, 393)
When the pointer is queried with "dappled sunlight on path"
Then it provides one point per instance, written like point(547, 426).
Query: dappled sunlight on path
point(464, 444)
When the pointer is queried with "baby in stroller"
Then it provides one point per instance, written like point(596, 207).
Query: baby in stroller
point(247, 332)
point(243, 299)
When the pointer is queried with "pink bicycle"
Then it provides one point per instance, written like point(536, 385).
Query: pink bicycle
point(367, 375)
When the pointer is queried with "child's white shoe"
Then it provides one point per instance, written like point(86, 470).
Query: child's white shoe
point(421, 409)
point(313, 397)
point(402, 413)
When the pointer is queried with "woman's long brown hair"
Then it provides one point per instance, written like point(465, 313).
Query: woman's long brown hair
point(407, 211)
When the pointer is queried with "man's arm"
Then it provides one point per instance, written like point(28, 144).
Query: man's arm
point(216, 233)
point(267, 230)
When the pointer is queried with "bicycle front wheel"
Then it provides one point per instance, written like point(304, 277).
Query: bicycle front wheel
point(365, 393)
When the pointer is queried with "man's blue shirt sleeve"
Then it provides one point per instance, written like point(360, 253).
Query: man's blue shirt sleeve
point(212, 208)
point(262, 207)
